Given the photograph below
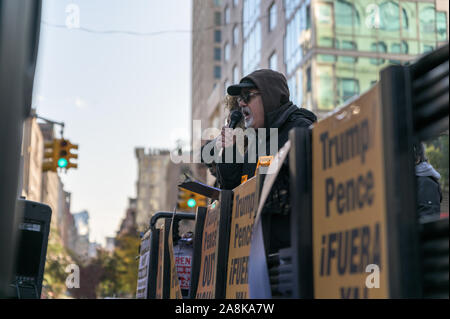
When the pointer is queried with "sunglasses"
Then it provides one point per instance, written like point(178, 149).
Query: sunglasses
point(246, 97)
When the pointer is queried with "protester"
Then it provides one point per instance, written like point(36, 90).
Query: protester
point(429, 194)
point(263, 97)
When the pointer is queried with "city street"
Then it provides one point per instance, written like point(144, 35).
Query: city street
point(224, 149)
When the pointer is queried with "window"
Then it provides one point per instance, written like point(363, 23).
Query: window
point(441, 26)
point(235, 35)
point(326, 42)
point(217, 3)
point(345, 14)
point(308, 79)
point(325, 89)
point(351, 46)
point(308, 17)
point(227, 52)
point(227, 15)
point(217, 72)
point(378, 47)
point(235, 3)
point(217, 18)
point(273, 61)
point(399, 48)
point(272, 16)
point(217, 36)
point(217, 55)
point(347, 88)
point(292, 85)
point(235, 74)
point(292, 48)
point(251, 31)
point(424, 48)
point(290, 6)
point(390, 17)
point(409, 30)
point(426, 18)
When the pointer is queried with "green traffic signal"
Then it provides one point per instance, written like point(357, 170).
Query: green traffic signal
point(62, 162)
point(191, 202)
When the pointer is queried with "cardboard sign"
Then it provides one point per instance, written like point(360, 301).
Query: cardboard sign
point(349, 206)
point(142, 284)
point(244, 210)
point(175, 290)
point(207, 279)
point(160, 271)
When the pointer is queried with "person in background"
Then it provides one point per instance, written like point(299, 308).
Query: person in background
point(429, 193)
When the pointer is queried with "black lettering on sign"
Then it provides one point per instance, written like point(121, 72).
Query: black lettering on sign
point(353, 194)
point(241, 295)
point(350, 251)
point(238, 271)
point(212, 216)
point(244, 206)
point(242, 235)
point(353, 142)
point(209, 264)
point(210, 239)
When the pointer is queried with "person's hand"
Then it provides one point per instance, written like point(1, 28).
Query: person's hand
point(226, 138)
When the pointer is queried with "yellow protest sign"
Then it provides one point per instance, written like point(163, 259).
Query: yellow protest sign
point(349, 205)
point(244, 209)
point(160, 268)
point(207, 278)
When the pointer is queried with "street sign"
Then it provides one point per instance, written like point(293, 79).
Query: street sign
point(244, 210)
point(349, 206)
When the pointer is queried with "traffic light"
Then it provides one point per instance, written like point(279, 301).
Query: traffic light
point(65, 154)
point(188, 200)
point(58, 154)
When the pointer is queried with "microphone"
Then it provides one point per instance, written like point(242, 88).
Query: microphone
point(235, 118)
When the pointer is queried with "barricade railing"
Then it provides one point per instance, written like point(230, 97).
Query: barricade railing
point(155, 260)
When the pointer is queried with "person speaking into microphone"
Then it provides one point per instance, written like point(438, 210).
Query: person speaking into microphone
point(263, 99)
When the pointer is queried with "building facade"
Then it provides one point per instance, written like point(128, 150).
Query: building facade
point(206, 55)
point(329, 50)
point(32, 154)
point(82, 239)
point(151, 184)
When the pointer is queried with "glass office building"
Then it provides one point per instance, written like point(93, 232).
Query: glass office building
point(336, 49)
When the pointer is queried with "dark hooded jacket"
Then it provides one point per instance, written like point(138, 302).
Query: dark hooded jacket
point(429, 193)
point(279, 112)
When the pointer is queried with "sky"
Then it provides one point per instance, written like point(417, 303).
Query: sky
point(114, 92)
